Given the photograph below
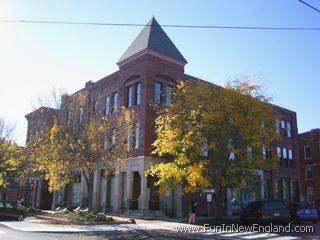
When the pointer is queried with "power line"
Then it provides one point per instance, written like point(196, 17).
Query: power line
point(310, 6)
point(166, 25)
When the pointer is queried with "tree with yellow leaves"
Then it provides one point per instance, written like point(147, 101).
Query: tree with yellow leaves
point(11, 156)
point(69, 149)
point(214, 136)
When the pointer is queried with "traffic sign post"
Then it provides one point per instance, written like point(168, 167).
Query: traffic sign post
point(209, 200)
point(209, 192)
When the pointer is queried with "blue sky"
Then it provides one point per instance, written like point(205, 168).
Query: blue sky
point(35, 58)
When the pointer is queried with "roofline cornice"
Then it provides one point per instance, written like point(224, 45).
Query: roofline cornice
point(151, 52)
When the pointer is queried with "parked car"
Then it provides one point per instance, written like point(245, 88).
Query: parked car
point(266, 211)
point(11, 211)
point(303, 212)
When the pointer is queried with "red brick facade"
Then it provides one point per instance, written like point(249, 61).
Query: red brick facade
point(309, 152)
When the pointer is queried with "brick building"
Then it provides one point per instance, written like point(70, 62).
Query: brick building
point(309, 152)
point(148, 71)
point(37, 194)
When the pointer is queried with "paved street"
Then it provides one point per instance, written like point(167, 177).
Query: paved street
point(33, 228)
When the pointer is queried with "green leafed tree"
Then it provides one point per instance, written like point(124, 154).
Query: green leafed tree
point(70, 148)
point(214, 136)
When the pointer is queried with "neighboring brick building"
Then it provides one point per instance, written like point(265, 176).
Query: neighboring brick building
point(309, 152)
point(147, 72)
point(38, 195)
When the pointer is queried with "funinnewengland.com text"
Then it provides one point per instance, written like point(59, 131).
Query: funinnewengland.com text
point(233, 228)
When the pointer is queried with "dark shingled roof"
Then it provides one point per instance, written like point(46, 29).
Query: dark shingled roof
point(154, 38)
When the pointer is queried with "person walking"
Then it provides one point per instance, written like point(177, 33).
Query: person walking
point(192, 213)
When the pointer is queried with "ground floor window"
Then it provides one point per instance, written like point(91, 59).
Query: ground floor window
point(310, 194)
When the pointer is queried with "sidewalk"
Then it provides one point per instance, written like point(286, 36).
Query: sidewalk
point(32, 224)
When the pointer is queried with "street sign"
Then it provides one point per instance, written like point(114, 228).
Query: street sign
point(209, 190)
point(209, 197)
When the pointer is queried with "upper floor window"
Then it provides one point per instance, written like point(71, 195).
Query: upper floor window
point(308, 171)
point(157, 92)
point(307, 152)
point(129, 96)
point(107, 105)
point(290, 154)
point(81, 115)
point(289, 129)
point(205, 150)
point(114, 136)
point(95, 106)
point(168, 95)
point(115, 101)
point(284, 128)
point(68, 119)
point(277, 126)
point(138, 94)
point(264, 153)
point(279, 152)
point(290, 157)
point(137, 135)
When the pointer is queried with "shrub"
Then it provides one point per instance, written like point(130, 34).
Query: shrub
point(90, 217)
point(100, 217)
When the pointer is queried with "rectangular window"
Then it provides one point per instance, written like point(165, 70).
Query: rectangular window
point(129, 97)
point(168, 95)
point(106, 144)
point(284, 153)
point(249, 153)
point(289, 129)
point(279, 154)
point(114, 137)
point(115, 102)
point(307, 152)
point(310, 193)
point(137, 136)
point(81, 115)
point(68, 119)
point(308, 171)
point(107, 105)
point(138, 93)
point(205, 151)
point(264, 153)
point(285, 156)
point(157, 92)
point(277, 126)
point(290, 154)
point(95, 107)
